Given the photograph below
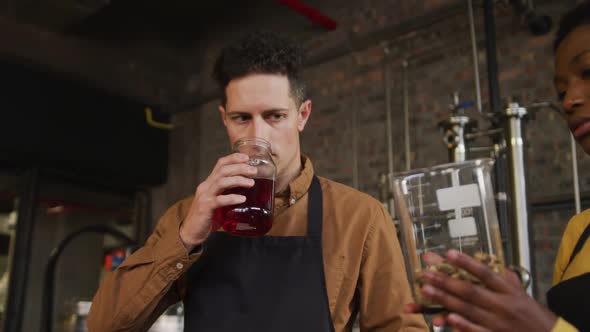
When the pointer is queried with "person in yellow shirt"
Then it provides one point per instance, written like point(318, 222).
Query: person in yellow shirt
point(503, 305)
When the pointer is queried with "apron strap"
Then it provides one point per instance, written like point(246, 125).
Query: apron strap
point(579, 245)
point(314, 209)
point(314, 231)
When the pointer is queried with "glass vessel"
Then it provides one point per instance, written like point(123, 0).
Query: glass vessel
point(254, 217)
point(449, 206)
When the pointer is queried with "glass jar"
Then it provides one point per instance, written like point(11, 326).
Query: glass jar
point(449, 206)
point(254, 217)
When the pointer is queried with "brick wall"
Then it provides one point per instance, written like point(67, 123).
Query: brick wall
point(348, 93)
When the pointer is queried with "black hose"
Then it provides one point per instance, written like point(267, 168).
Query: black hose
point(492, 55)
point(49, 281)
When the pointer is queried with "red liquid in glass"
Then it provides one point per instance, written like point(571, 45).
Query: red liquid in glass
point(254, 216)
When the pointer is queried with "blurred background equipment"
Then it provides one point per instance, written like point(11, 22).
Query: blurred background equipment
point(112, 261)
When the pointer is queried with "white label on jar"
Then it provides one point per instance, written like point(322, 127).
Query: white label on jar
point(462, 227)
point(453, 198)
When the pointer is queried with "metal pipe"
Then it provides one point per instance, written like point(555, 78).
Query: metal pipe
point(481, 149)
point(406, 114)
point(389, 135)
point(475, 56)
point(355, 163)
point(483, 133)
point(388, 125)
point(20, 269)
point(552, 106)
point(492, 55)
point(460, 149)
point(576, 176)
point(501, 185)
point(514, 115)
point(502, 159)
point(313, 14)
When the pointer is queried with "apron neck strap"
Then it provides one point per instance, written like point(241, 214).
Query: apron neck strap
point(579, 245)
point(314, 209)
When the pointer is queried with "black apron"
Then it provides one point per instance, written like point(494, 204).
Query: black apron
point(261, 284)
point(570, 299)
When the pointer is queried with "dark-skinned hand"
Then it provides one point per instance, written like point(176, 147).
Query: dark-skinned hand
point(502, 305)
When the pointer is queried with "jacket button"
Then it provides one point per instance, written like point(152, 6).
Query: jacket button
point(179, 266)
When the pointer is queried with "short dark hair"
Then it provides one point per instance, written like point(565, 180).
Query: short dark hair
point(261, 52)
point(573, 19)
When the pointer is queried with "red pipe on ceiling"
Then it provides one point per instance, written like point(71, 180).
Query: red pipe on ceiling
point(313, 14)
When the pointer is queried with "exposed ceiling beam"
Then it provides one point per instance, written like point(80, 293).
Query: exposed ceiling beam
point(108, 69)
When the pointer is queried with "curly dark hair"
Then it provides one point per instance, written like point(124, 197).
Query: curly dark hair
point(573, 19)
point(261, 52)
